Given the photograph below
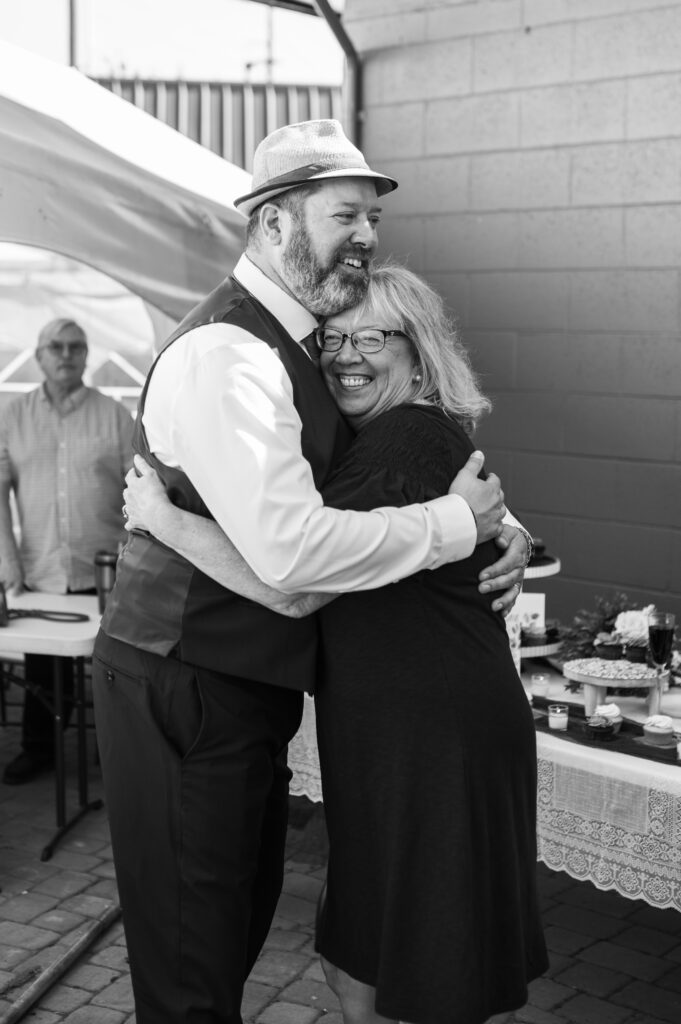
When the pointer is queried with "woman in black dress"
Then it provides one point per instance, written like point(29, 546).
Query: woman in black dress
point(426, 739)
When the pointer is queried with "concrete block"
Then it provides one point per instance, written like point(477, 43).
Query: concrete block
point(398, 29)
point(568, 362)
point(572, 114)
point(631, 428)
point(358, 9)
point(522, 60)
point(600, 551)
point(429, 185)
point(570, 238)
point(515, 180)
point(627, 172)
point(456, 291)
point(651, 999)
point(528, 421)
point(423, 71)
point(627, 45)
point(449, 20)
point(624, 300)
point(542, 12)
point(494, 355)
point(472, 241)
point(404, 239)
point(653, 235)
point(395, 130)
point(517, 300)
point(653, 106)
point(472, 124)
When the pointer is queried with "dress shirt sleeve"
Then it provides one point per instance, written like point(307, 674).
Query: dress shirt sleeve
point(220, 406)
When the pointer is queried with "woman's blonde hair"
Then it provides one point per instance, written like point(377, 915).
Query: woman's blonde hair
point(406, 302)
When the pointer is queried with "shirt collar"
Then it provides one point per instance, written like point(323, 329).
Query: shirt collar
point(297, 320)
point(71, 402)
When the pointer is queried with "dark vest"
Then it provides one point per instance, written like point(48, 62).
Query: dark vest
point(160, 602)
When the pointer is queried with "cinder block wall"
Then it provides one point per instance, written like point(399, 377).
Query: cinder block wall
point(538, 149)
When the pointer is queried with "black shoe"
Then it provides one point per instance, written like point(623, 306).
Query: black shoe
point(27, 766)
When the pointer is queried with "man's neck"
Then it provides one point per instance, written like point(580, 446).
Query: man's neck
point(260, 260)
point(60, 395)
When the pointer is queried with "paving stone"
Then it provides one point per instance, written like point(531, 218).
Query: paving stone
point(661, 920)
point(589, 1010)
point(59, 920)
point(561, 940)
point(653, 943)
point(534, 1015)
point(256, 997)
point(96, 1015)
point(117, 996)
point(651, 998)
point(26, 906)
point(115, 957)
point(585, 922)
point(292, 908)
point(72, 860)
point(590, 978)
point(306, 886)
point(277, 967)
point(315, 971)
point(285, 940)
point(64, 884)
point(63, 999)
point(37, 1016)
point(588, 897)
point(106, 888)
point(105, 870)
point(671, 980)
point(311, 993)
point(86, 905)
point(90, 977)
point(558, 962)
point(288, 1013)
point(628, 961)
point(26, 936)
point(548, 994)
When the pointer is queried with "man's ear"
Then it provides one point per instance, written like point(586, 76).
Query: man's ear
point(271, 223)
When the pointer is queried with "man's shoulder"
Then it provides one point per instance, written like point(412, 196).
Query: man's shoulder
point(20, 405)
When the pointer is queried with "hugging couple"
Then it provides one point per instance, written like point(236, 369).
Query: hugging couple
point(310, 515)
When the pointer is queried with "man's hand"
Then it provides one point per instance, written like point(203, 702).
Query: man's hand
point(485, 497)
point(507, 573)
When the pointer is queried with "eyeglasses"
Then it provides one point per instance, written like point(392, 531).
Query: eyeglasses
point(66, 348)
point(369, 341)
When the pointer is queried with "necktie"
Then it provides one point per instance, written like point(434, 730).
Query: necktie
point(311, 347)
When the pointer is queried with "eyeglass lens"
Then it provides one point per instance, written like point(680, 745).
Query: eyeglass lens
point(363, 341)
point(66, 348)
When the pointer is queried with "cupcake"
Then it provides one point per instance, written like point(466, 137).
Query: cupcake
point(611, 712)
point(598, 727)
point(658, 729)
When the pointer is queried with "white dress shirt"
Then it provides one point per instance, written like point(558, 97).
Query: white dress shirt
point(220, 407)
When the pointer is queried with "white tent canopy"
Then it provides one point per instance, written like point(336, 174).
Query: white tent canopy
point(87, 175)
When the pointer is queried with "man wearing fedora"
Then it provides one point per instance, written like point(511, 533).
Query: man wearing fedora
point(198, 691)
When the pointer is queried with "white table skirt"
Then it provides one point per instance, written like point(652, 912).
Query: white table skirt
point(603, 816)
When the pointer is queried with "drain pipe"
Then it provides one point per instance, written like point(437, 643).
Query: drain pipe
point(355, 112)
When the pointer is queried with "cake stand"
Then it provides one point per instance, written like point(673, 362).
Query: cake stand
point(597, 674)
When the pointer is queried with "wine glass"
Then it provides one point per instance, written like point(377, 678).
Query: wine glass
point(660, 639)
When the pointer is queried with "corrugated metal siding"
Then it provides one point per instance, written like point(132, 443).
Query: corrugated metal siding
point(230, 119)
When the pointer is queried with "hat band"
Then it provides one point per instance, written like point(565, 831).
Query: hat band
point(299, 176)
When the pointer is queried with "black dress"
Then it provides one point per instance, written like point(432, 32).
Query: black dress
point(428, 757)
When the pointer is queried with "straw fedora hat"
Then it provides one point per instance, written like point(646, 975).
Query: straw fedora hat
point(299, 153)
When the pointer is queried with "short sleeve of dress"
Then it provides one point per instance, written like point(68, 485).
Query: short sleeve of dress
point(407, 454)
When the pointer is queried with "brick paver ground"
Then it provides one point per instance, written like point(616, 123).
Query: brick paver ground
point(613, 960)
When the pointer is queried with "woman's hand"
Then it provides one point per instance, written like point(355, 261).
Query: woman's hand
point(144, 496)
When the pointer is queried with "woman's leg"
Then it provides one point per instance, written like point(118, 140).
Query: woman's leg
point(357, 999)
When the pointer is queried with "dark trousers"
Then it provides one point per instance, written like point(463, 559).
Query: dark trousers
point(196, 787)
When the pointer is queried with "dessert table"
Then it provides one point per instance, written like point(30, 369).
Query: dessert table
point(603, 816)
point(59, 639)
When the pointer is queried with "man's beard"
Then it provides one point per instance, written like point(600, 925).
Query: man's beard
point(323, 291)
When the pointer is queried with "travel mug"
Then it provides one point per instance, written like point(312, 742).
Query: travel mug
point(105, 574)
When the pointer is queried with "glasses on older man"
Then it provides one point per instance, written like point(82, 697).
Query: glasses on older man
point(373, 339)
point(66, 348)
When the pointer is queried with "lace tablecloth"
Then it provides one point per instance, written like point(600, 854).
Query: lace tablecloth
point(606, 817)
